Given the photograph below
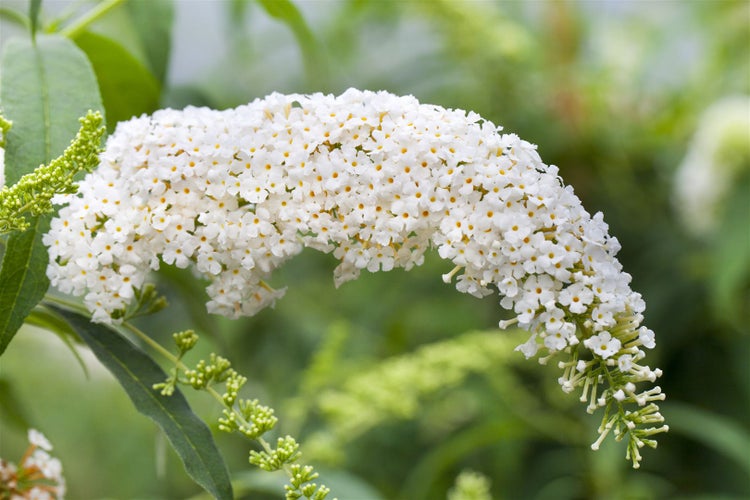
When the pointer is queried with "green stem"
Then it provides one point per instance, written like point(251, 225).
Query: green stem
point(81, 24)
point(154, 345)
point(67, 304)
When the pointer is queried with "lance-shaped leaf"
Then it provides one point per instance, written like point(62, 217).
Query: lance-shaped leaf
point(46, 87)
point(128, 88)
point(137, 373)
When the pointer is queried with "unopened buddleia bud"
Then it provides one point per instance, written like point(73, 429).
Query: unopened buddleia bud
point(33, 194)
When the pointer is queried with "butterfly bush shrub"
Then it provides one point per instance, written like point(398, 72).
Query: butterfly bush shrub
point(375, 179)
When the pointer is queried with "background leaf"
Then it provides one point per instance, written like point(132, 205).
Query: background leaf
point(127, 87)
point(730, 280)
point(34, 7)
point(137, 373)
point(715, 431)
point(12, 407)
point(46, 87)
point(14, 16)
point(153, 23)
point(313, 59)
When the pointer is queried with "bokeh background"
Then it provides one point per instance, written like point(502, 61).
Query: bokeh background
point(394, 383)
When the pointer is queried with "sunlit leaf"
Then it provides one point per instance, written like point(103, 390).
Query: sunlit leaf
point(46, 87)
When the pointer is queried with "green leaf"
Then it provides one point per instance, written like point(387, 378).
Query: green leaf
point(34, 7)
point(725, 436)
point(47, 320)
point(153, 23)
point(15, 17)
point(128, 88)
point(730, 281)
point(23, 281)
point(46, 87)
point(12, 409)
point(286, 12)
point(137, 373)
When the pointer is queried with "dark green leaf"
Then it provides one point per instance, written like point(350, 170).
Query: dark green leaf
point(730, 280)
point(153, 23)
point(128, 88)
point(47, 320)
point(715, 431)
point(34, 7)
point(23, 281)
point(12, 409)
point(137, 373)
point(46, 87)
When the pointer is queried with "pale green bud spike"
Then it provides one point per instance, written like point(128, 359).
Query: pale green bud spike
point(32, 194)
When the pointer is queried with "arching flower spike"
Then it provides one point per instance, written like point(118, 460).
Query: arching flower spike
point(376, 179)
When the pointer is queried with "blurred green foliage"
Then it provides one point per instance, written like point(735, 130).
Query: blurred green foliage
point(611, 91)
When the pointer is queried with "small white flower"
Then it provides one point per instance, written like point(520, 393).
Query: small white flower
point(646, 337)
point(38, 439)
point(577, 297)
point(529, 348)
point(603, 344)
point(625, 362)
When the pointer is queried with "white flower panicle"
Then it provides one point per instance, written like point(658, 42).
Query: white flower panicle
point(374, 178)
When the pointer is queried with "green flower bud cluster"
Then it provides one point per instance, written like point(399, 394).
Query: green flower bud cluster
point(245, 416)
point(32, 194)
point(217, 370)
point(4, 127)
point(470, 485)
point(302, 485)
point(287, 450)
point(256, 419)
point(185, 341)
